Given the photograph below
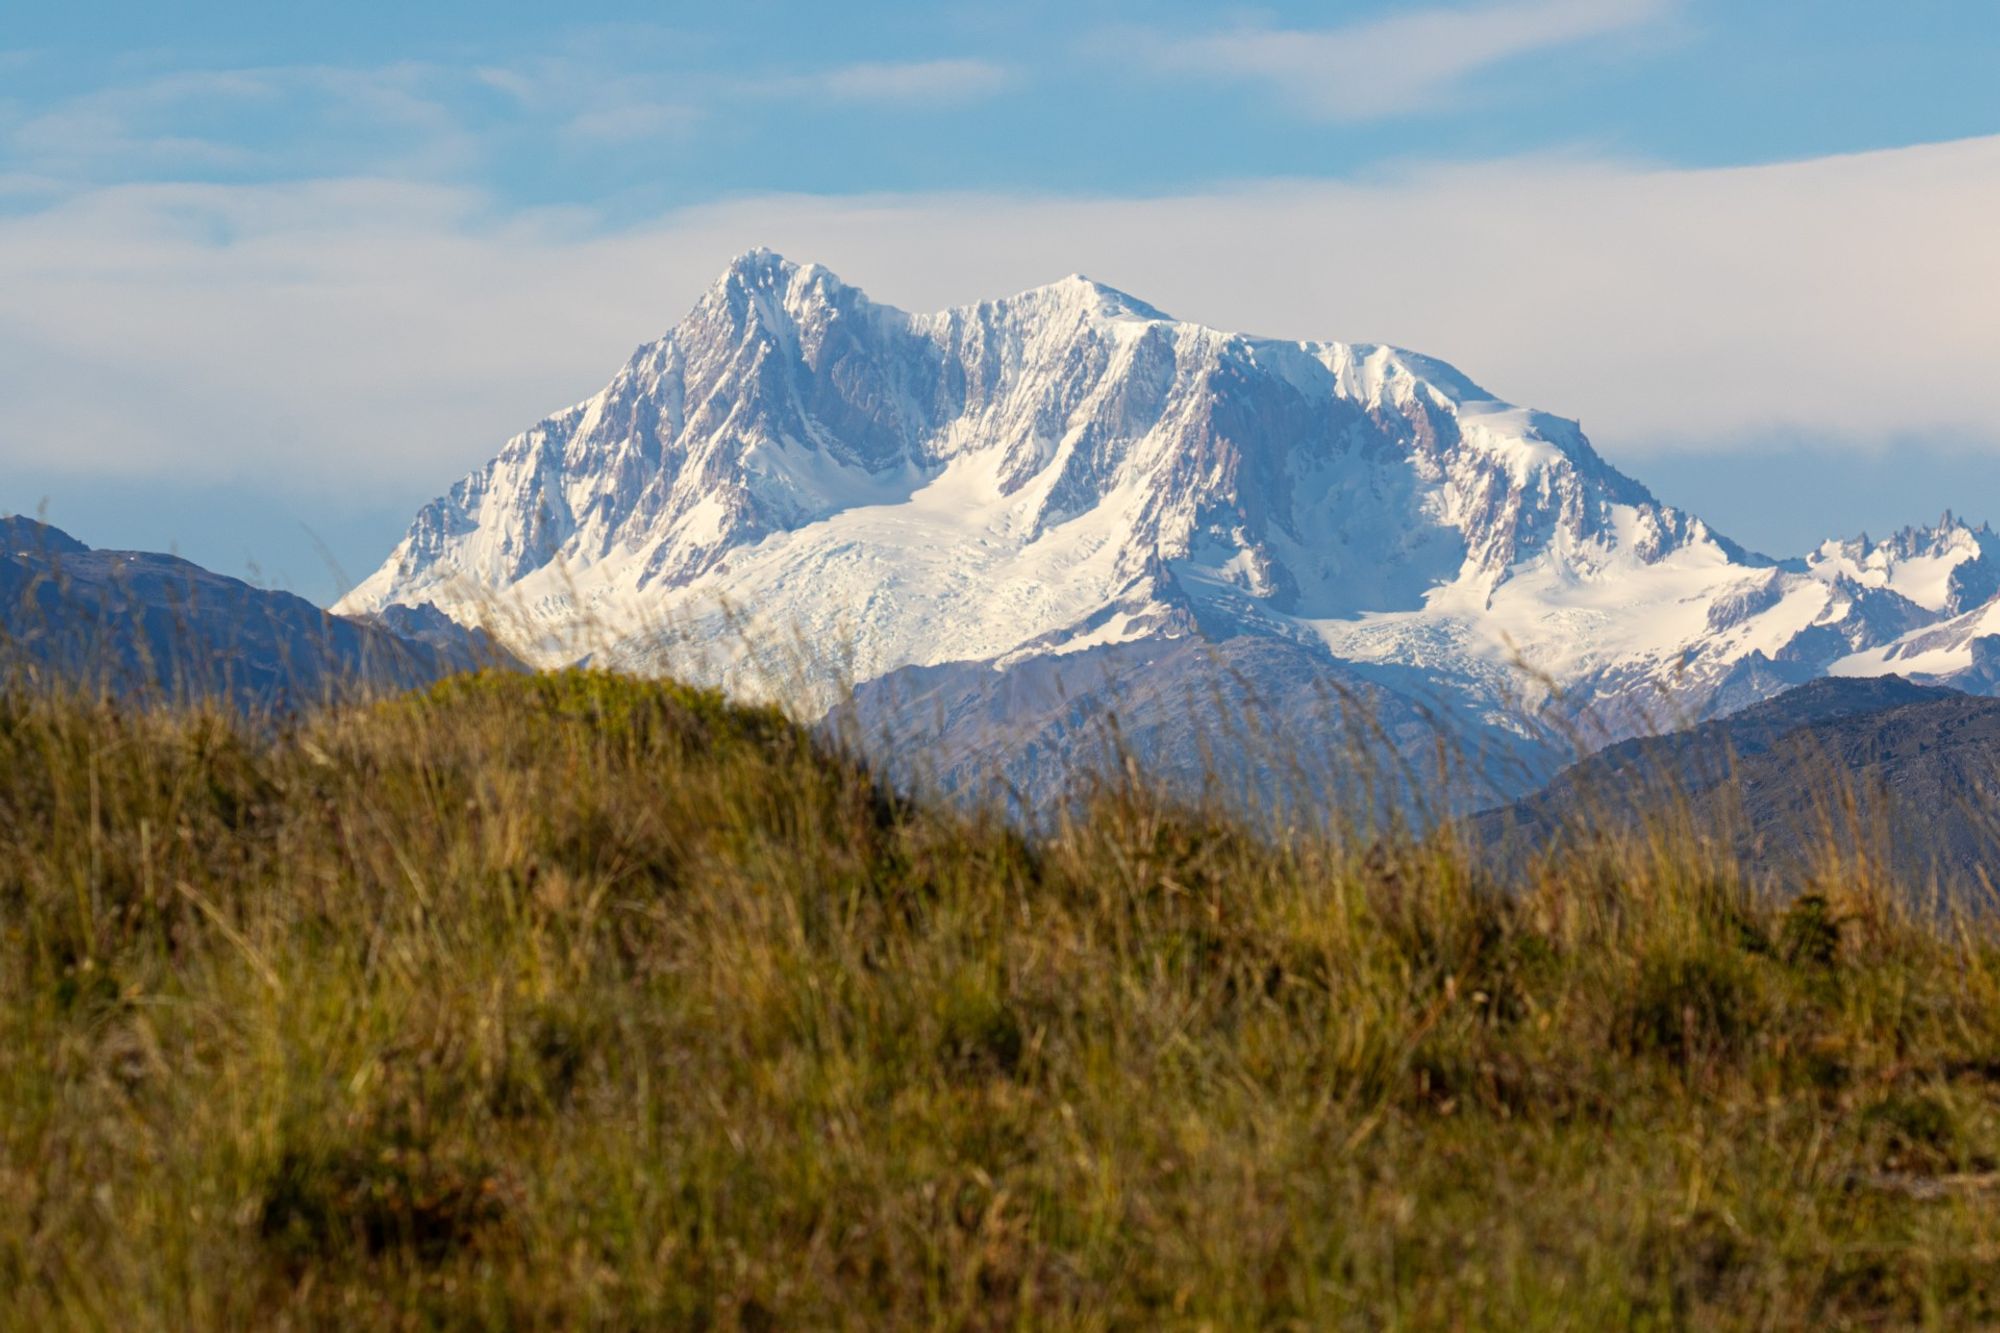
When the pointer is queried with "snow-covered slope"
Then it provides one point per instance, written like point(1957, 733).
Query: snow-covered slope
point(1953, 572)
point(797, 482)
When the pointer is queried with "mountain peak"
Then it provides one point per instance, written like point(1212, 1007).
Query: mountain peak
point(758, 262)
point(765, 288)
point(24, 536)
point(763, 269)
point(1078, 289)
point(1952, 521)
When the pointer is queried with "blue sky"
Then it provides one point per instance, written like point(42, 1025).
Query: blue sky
point(277, 275)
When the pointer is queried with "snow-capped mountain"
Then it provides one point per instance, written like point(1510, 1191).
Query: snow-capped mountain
point(797, 482)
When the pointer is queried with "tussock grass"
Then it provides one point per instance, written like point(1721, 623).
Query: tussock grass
point(575, 1001)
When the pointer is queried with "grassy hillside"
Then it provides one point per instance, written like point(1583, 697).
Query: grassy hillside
point(569, 1001)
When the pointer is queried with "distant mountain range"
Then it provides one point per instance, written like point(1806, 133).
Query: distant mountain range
point(135, 623)
point(1055, 496)
point(1906, 774)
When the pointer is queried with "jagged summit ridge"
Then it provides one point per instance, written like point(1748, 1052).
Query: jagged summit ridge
point(1070, 468)
point(786, 396)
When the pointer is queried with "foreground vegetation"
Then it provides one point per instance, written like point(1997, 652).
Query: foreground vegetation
point(573, 1001)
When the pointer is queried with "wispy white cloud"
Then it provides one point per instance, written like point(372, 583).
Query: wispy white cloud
point(950, 81)
point(24, 184)
point(634, 121)
point(955, 80)
point(285, 118)
point(127, 124)
point(594, 99)
point(423, 121)
point(1412, 61)
point(590, 101)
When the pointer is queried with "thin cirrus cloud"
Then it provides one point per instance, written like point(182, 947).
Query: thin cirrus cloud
point(1408, 63)
point(634, 121)
point(274, 120)
point(593, 105)
point(418, 119)
point(124, 125)
point(588, 102)
point(953, 80)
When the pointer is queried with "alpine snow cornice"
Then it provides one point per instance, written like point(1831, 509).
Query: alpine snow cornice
point(795, 466)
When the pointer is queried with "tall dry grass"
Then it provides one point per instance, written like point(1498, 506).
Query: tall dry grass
point(569, 1000)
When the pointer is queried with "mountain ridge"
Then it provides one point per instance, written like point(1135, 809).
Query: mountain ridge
point(140, 624)
point(1870, 770)
point(797, 469)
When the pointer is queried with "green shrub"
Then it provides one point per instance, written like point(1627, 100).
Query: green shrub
point(1914, 1131)
point(320, 1203)
point(1689, 1007)
point(980, 1033)
point(1809, 933)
